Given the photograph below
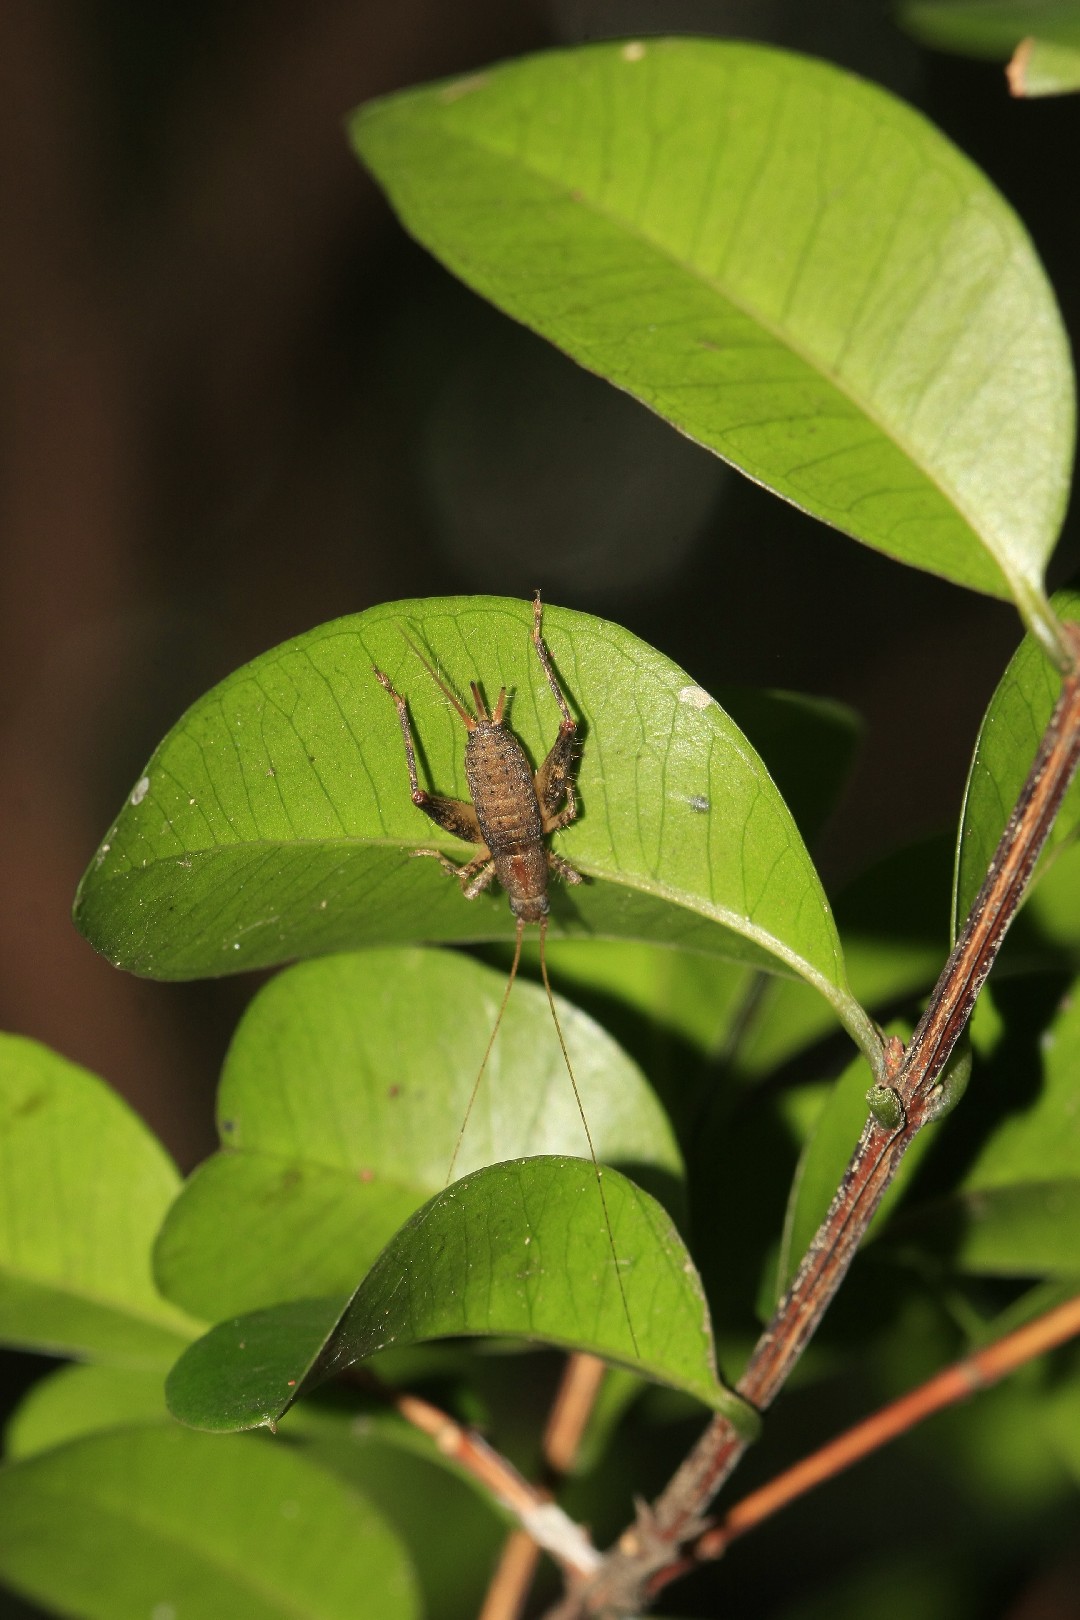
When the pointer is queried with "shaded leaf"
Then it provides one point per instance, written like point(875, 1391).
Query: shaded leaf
point(1016, 1211)
point(1027, 1229)
point(788, 264)
point(157, 1521)
point(341, 1106)
point(275, 819)
point(1010, 734)
point(489, 1256)
point(85, 1188)
point(416, 1487)
point(991, 28)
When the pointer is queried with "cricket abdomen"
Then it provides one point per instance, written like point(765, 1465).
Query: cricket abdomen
point(504, 798)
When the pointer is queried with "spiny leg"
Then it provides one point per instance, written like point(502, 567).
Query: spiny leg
point(474, 876)
point(554, 780)
point(545, 660)
point(584, 1121)
point(563, 869)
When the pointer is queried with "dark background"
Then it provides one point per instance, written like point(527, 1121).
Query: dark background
point(236, 401)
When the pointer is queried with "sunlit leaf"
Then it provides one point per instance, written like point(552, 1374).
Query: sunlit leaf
point(85, 1186)
point(489, 1256)
point(341, 1107)
point(156, 1521)
point(275, 820)
point(790, 265)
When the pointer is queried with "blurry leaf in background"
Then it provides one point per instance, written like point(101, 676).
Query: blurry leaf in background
point(341, 1106)
point(78, 1400)
point(1041, 36)
point(85, 1186)
point(275, 820)
point(485, 1257)
point(155, 1520)
point(1016, 1210)
point(788, 264)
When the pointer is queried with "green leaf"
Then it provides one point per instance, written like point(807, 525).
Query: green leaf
point(85, 1188)
point(415, 1486)
point(1010, 734)
point(1017, 1210)
point(275, 819)
point(488, 1256)
point(991, 28)
point(1030, 1229)
point(788, 264)
point(156, 1521)
point(341, 1106)
point(1041, 67)
point(77, 1400)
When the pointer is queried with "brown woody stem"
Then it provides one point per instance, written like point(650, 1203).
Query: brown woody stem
point(965, 1377)
point(653, 1543)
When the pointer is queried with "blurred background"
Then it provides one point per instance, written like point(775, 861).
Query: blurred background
point(235, 401)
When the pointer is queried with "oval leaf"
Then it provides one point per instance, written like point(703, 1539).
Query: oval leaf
point(275, 819)
point(1010, 734)
point(488, 1256)
point(157, 1521)
point(85, 1188)
point(790, 265)
point(341, 1108)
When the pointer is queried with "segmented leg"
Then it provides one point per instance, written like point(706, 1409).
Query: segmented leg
point(563, 869)
point(455, 816)
point(474, 877)
point(554, 780)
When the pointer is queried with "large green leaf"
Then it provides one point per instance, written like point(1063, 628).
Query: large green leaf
point(1011, 731)
point(790, 265)
point(275, 819)
point(155, 1521)
point(341, 1107)
point(85, 1187)
point(522, 1250)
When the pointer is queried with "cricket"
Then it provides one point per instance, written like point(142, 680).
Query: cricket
point(510, 814)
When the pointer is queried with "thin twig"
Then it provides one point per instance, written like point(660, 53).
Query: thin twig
point(547, 1524)
point(574, 1400)
point(649, 1546)
point(975, 1372)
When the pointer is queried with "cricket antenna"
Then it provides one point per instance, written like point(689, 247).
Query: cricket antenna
point(487, 1053)
point(584, 1121)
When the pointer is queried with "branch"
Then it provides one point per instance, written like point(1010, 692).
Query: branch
point(965, 1377)
point(546, 1523)
point(916, 1097)
point(570, 1412)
